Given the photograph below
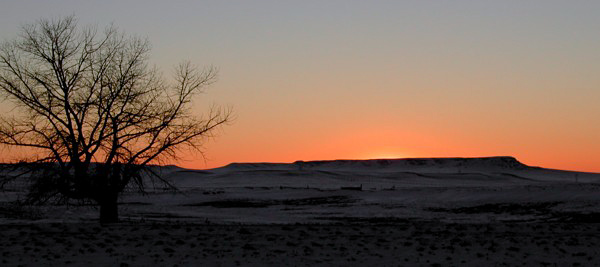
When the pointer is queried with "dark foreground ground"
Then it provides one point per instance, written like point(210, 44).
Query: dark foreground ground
point(408, 243)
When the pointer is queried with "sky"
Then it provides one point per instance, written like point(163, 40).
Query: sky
point(321, 80)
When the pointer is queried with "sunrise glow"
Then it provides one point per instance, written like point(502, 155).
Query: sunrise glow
point(299, 133)
point(314, 80)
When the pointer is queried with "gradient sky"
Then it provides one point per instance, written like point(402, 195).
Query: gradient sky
point(311, 80)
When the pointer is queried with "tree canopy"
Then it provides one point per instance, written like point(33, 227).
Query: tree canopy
point(94, 112)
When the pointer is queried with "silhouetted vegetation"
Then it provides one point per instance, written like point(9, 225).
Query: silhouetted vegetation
point(93, 114)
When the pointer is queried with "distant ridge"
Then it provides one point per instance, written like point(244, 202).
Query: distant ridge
point(379, 173)
point(402, 164)
point(500, 161)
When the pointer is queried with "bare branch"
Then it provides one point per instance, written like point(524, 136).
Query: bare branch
point(91, 104)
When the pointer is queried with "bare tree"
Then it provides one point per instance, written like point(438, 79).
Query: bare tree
point(94, 113)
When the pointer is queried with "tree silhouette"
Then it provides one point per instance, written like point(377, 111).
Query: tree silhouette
point(94, 113)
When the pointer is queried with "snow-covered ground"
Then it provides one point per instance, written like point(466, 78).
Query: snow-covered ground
point(445, 189)
point(392, 211)
point(411, 243)
point(317, 192)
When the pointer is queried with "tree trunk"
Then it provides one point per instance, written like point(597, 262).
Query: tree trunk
point(109, 211)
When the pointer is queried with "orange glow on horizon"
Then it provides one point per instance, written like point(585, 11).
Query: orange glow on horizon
point(361, 152)
point(397, 79)
point(385, 155)
point(388, 144)
point(549, 163)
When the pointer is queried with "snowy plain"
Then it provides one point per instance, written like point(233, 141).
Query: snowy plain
point(427, 212)
point(332, 191)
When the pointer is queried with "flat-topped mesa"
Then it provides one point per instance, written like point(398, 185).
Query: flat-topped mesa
point(239, 166)
point(417, 163)
point(403, 164)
